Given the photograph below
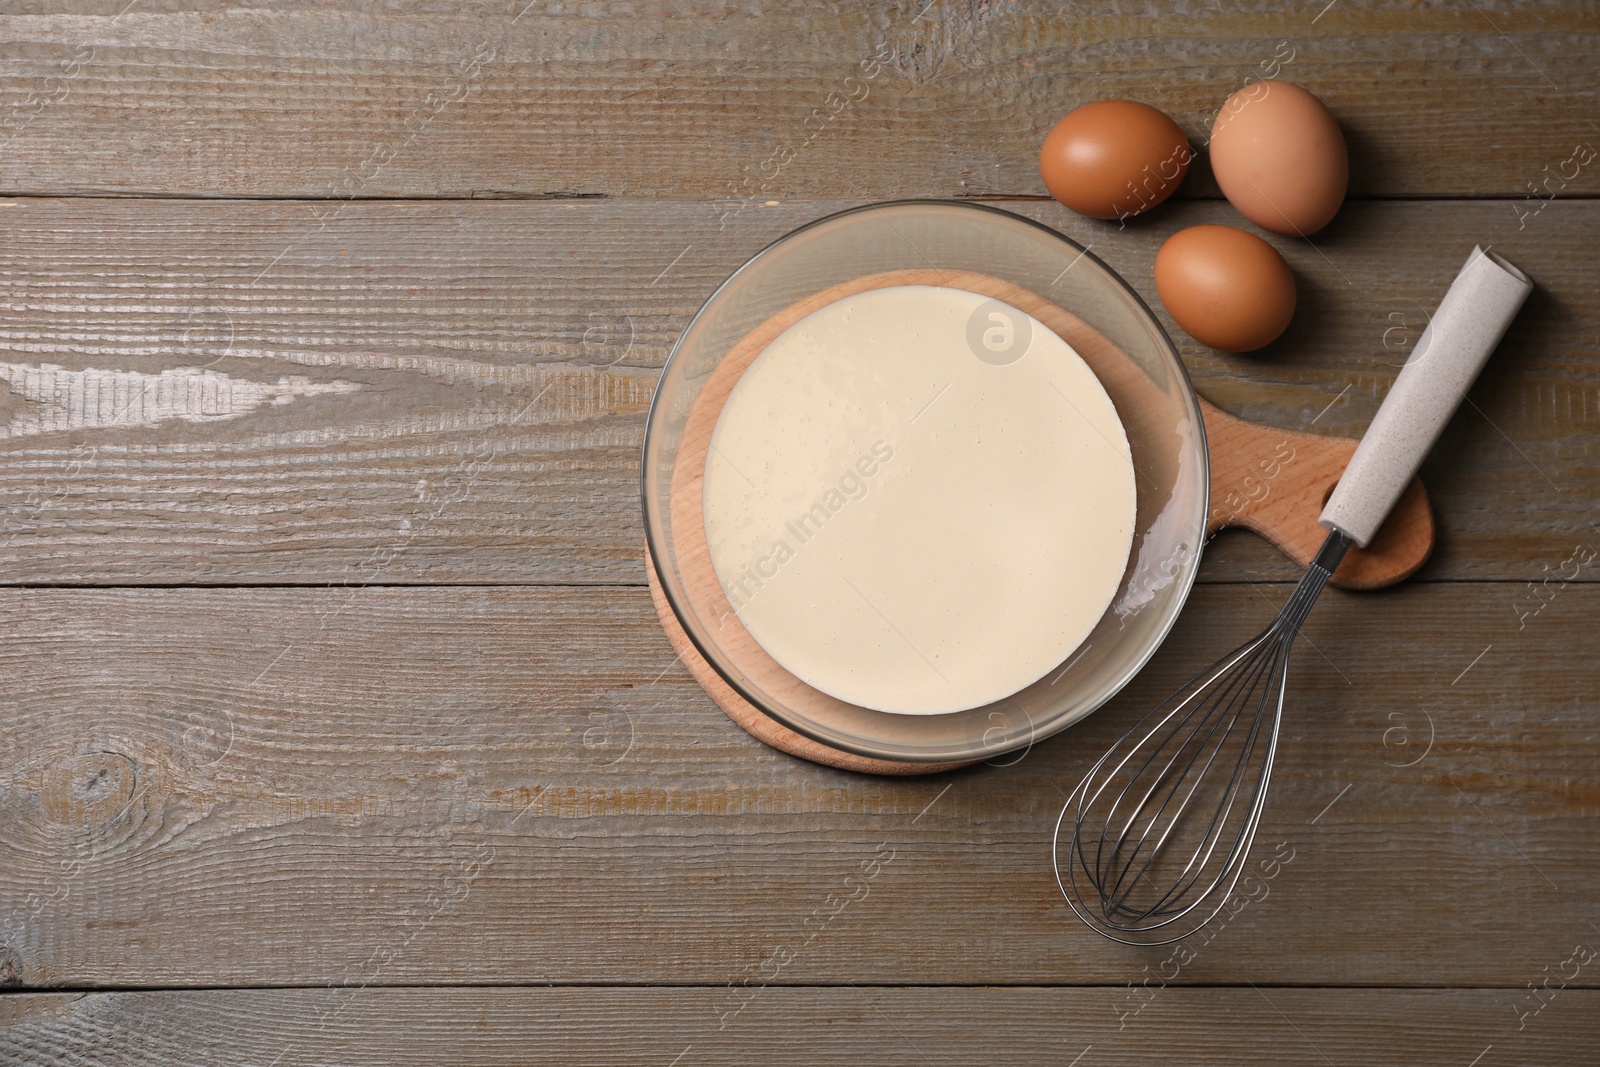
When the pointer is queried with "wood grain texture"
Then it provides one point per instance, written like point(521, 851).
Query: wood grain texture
point(375, 370)
point(1025, 1026)
point(1275, 482)
point(709, 98)
point(515, 786)
point(417, 392)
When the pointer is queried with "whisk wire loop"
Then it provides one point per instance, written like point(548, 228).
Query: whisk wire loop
point(1173, 807)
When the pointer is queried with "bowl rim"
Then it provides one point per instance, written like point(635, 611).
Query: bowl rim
point(1189, 395)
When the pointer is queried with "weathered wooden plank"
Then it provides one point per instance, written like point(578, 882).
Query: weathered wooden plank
point(707, 98)
point(518, 785)
point(489, 1027)
point(423, 392)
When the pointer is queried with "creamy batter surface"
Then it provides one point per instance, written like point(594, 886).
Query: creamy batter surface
point(919, 500)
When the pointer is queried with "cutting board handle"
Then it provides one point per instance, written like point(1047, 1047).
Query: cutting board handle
point(1276, 482)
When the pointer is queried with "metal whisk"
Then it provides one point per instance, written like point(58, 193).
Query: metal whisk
point(1161, 826)
point(1148, 864)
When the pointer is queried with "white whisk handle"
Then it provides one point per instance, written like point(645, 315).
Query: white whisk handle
point(1470, 321)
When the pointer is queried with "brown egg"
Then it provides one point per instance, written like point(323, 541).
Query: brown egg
point(1279, 156)
point(1114, 158)
point(1229, 289)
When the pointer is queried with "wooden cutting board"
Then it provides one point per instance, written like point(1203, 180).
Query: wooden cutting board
point(1264, 479)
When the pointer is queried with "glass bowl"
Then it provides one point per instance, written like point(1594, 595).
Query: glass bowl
point(1136, 363)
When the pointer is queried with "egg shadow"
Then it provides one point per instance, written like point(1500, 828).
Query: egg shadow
point(1314, 304)
point(1200, 183)
point(1371, 167)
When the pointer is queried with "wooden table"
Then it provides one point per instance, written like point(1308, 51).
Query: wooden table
point(338, 727)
